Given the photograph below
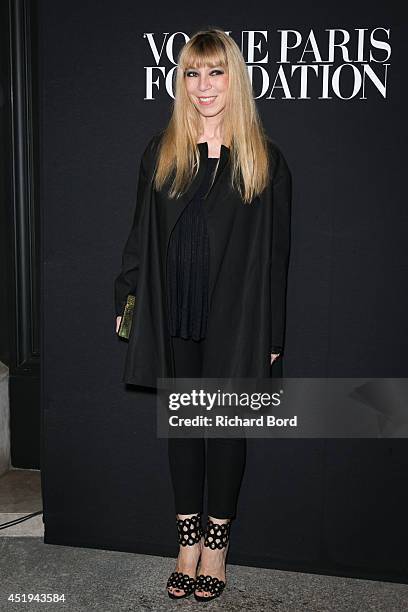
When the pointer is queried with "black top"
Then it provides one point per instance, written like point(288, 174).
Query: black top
point(188, 266)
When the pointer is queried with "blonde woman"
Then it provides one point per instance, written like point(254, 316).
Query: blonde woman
point(207, 258)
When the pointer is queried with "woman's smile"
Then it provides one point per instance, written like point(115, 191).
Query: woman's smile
point(206, 100)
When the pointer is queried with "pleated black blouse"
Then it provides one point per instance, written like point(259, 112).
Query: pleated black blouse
point(188, 260)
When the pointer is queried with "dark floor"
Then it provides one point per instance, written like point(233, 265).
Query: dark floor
point(114, 581)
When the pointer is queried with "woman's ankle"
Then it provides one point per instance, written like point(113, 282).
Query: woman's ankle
point(217, 532)
point(189, 528)
point(219, 521)
point(184, 516)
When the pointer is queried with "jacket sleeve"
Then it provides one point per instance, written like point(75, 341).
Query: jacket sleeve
point(126, 281)
point(282, 203)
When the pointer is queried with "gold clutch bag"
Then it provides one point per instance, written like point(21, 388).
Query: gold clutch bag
point(126, 322)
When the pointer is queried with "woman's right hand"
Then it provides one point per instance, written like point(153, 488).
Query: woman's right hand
point(118, 321)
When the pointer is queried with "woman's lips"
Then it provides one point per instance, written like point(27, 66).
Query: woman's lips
point(207, 100)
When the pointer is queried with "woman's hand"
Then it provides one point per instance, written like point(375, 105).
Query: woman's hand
point(118, 320)
point(274, 356)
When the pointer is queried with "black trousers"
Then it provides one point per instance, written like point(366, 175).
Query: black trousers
point(189, 458)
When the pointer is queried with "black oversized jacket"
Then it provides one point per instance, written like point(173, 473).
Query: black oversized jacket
point(249, 246)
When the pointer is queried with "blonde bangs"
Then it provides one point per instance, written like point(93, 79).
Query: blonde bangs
point(205, 51)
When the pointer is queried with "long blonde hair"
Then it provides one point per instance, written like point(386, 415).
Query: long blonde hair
point(242, 128)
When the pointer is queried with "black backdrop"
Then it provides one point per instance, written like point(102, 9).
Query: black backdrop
point(335, 506)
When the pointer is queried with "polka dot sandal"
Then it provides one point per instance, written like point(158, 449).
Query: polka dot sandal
point(216, 536)
point(189, 533)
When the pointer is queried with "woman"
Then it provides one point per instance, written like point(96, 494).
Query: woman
point(207, 258)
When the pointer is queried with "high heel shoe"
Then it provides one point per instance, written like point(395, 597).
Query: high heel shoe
point(216, 536)
point(190, 532)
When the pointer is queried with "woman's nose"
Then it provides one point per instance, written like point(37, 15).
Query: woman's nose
point(203, 83)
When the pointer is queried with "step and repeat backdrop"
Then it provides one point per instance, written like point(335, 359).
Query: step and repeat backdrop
point(330, 87)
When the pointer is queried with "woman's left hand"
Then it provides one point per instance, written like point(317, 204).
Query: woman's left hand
point(274, 356)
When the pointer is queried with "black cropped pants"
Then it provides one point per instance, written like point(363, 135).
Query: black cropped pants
point(189, 458)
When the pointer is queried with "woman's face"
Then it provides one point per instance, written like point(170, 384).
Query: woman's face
point(207, 88)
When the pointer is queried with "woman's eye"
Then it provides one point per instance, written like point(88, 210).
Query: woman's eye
point(213, 72)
